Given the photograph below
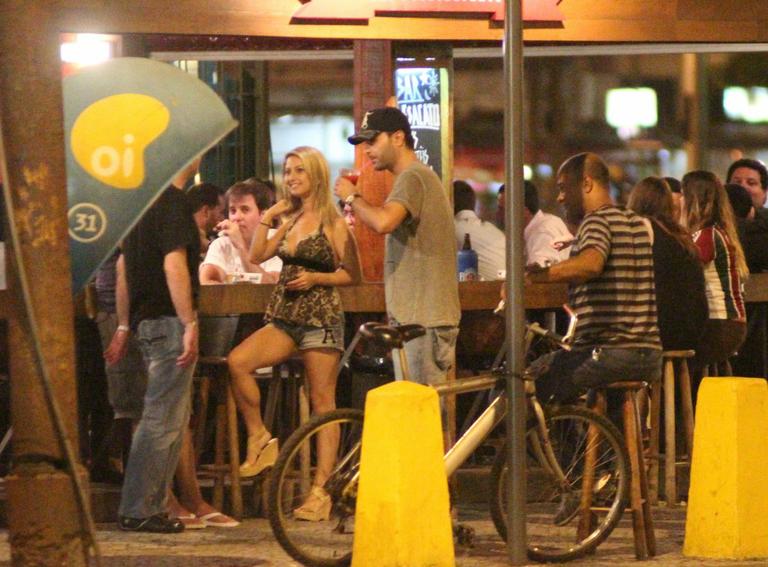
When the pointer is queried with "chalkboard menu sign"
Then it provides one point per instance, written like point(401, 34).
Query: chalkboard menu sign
point(420, 97)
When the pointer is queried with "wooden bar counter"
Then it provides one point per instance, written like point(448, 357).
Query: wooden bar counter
point(369, 297)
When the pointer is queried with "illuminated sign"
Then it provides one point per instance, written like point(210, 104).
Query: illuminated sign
point(361, 11)
point(420, 95)
point(629, 109)
point(746, 104)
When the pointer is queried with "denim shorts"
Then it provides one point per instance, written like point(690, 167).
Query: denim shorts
point(307, 338)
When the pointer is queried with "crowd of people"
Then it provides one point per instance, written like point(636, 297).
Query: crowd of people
point(664, 271)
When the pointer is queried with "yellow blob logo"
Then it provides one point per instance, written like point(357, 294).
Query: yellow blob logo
point(109, 137)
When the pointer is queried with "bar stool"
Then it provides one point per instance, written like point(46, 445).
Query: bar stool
point(214, 369)
point(671, 358)
point(642, 520)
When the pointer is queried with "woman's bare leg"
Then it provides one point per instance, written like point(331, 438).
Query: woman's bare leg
point(266, 347)
point(321, 366)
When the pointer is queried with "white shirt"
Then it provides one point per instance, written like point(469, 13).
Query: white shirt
point(540, 235)
point(223, 254)
point(487, 240)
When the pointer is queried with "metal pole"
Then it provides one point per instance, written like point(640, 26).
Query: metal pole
point(513, 151)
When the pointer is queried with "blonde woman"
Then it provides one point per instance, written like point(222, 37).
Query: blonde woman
point(304, 312)
point(708, 216)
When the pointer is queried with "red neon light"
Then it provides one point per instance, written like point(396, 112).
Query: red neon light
point(361, 11)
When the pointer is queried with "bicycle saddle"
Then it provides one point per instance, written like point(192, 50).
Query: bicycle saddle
point(391, 337)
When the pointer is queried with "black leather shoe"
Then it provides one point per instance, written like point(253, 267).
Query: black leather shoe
point(159, 524)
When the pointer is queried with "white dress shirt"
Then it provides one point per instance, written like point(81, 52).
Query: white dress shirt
point(541, 234)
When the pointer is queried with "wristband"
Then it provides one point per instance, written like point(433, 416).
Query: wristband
point(191, 323)
point(351, 198)
point(123, 328)
point(262, 223)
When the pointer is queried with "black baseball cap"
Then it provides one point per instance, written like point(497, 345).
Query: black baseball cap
point(387, 119)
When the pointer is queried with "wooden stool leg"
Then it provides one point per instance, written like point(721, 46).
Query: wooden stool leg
point(198, 436)
point(653, 457)
point(306, 480)
point(273, 395)
point(585, 520)
point(670, 452)
point(218, 463)
point(636, 498)
point(234, 457)
point(686, 401)
point(650, 537)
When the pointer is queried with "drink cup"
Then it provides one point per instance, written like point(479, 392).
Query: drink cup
point(349, 173)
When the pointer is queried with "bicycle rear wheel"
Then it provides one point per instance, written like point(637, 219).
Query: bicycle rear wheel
point(558, 528)
point(326, 543)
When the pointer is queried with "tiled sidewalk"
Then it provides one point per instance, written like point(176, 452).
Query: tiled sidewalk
point(252, 545)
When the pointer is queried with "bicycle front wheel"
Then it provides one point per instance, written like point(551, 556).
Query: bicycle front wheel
point(324, 451)
point(566, 516)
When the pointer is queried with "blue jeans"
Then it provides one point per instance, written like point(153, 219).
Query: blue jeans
point(157, 440)
point(563, 376)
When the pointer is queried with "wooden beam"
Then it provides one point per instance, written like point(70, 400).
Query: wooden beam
point(584, 21)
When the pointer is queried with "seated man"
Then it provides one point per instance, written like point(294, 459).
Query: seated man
point(547, 239)
point(610, 272)
point(486, 239)
point(228, 254)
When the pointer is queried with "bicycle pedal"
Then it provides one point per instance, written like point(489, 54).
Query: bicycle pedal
point(463, 535)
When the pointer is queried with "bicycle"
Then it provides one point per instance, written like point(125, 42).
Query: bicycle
point(566, 517)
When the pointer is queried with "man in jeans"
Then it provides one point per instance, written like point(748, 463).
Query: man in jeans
point(157, 278)
point(610, 272)
point(420, 279)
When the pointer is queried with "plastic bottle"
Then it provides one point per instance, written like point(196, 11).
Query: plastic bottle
point(467, 261)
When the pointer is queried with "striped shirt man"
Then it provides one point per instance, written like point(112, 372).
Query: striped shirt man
point(617, 308)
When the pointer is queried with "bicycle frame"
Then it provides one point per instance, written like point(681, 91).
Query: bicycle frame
point(495, 412)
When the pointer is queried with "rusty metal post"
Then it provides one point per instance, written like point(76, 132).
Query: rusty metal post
point(43, 514)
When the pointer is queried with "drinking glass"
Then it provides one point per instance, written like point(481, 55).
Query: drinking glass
point(350, 173)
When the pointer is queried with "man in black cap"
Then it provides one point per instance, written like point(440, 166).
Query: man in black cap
point(420, 278)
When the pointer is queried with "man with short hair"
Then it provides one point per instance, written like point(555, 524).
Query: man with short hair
point(207, 201)
point(610, 272)
point(420, 279)
point(229, 253)
point(547, 239)
point(157, 287)
point(753, 176)
point(486, 239)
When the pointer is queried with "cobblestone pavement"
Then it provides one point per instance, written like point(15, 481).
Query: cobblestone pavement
point(252, 545)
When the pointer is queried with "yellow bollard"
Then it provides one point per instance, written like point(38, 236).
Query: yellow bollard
point(728, 500)
point(403, 516)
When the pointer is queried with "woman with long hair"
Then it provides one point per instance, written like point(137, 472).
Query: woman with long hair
point(304, 312)
point(708, 216)
point(679, 279)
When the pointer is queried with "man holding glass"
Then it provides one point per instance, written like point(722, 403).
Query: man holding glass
point(420, 279)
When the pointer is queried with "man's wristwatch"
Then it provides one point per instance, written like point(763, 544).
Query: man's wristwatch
point(351, 198)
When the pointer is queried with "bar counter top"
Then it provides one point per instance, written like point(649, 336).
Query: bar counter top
point(369, 297)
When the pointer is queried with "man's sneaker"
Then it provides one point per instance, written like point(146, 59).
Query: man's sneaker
point(159, 524)
point(567, 509)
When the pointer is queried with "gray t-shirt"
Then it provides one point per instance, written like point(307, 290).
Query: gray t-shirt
point(420, 277)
